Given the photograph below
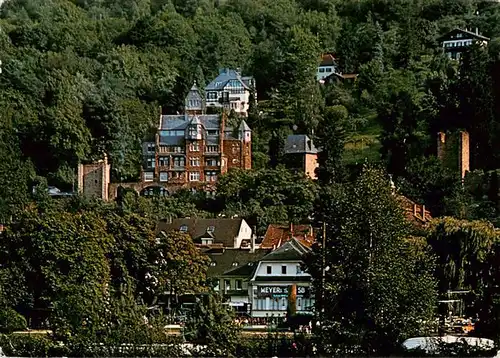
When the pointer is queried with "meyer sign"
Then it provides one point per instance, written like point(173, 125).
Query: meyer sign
point(280, 291)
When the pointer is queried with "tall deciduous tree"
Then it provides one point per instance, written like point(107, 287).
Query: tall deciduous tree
point(331, 141)
point(462, 248)
point(267, 196)
point(182, 267)
point(378, 288)
point(212, 324)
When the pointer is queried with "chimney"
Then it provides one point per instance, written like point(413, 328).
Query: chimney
point(222, 129)
point(477, 31)
point(423, 212)
point(441, 145)
point(252, 240)
point(463, 154)
point(291, 228)
point(415, 210)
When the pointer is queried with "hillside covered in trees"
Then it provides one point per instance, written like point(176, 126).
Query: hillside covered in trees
point(83, 77)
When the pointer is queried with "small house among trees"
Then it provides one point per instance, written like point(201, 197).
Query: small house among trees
point(456, 41)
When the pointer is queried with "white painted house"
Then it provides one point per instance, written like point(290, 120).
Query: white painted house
point(239, 89)
point(275, 274)
point(327, 67)
point(456, 42)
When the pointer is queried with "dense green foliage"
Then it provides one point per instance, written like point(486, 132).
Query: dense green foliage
point(84, 77)
point(378, 287)
point(212, 325)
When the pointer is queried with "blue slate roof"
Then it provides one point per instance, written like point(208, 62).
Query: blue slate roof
point(299, 143)
point(291, 250)
point(181, 122)
point(194, 99)
point(226, 75)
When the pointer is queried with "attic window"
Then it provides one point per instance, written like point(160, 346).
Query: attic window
point(211, 229)
point(212, 263)
point(183, 228)
point(235, 264)
point(207, 241)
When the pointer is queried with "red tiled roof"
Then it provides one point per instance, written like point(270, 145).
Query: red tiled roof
point(277, 235)
point(327, 59)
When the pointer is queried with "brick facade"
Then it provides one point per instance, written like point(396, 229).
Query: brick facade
point(453, 150)
point(189, 151)
point(193, 149)
point(464, 154)
point(311, 164)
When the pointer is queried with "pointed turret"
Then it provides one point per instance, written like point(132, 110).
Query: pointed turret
point(194, 102)
point(245, 133)
point(194, 129)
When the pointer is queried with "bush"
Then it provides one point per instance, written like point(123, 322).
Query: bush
point(31, 346)
point(11, 321)
point(275, 344)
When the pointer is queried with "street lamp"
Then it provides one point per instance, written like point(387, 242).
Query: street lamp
point(324, 269)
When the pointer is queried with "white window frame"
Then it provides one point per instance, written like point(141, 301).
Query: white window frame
point(149, 176)
point(194, 147)
point(299, 270)
point(163, 176)
point(194, 176)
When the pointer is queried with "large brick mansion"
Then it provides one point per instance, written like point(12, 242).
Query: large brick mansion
point(190, 150)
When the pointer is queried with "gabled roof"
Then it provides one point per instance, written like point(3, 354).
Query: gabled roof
point(327, 59)
point(292, 250)
point(277, 235)
point(226, 259)
point(244, 126)
point(225, 230)
point(206, 235)
point(226, 75)
point(299, 143)
point(467, 33)
point(195, 121)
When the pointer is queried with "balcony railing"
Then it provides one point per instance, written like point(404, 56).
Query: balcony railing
point(212, 149)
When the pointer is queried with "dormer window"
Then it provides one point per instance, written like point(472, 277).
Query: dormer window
point(207, 241)
point(211, 229)
point(213, 264)
point(183, 228)
point(235, 264)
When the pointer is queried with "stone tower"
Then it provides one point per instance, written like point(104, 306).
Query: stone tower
point(94, 179)
point(453, 150)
